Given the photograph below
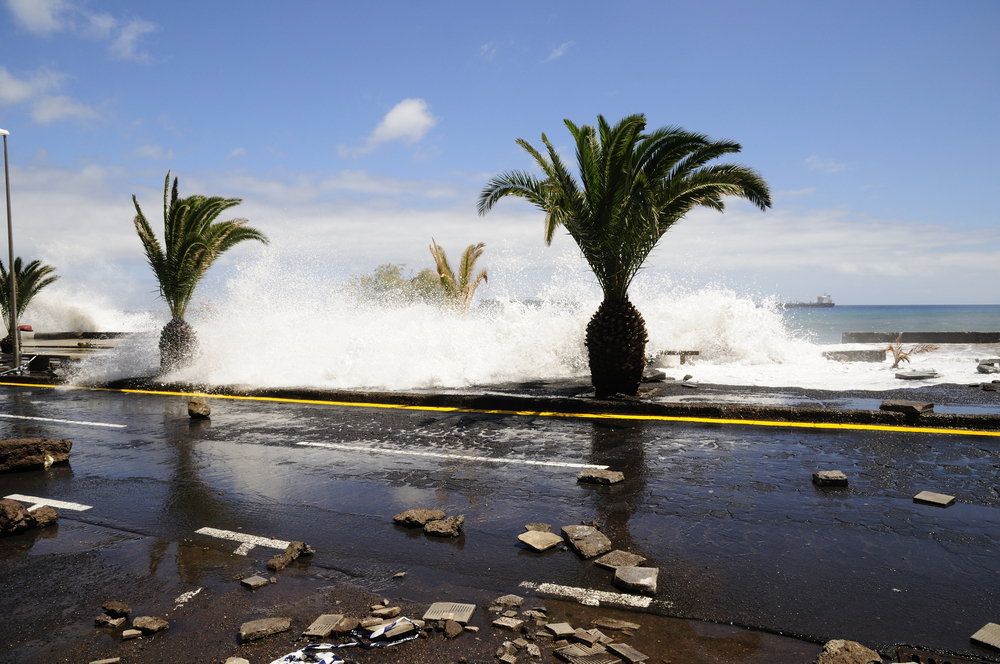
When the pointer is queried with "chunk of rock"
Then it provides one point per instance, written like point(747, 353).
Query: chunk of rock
point(14, 518)
point(258, 629)
point(936, 499)
point(450, 527)
point(131, 634)
point(322, 626)
point(386, 612)
point(829, 478)
point(346, 625)
point(618, 558)
point(279, 561)
point(612, 623)
point(988, 387)
point(587, 541)
point(236, 660)
point(509, 601)
point(538, 528)
point(988, 636)
point(540, 541)
point(654, 376)
point(840, 651)
point(198, 408)
point(627, 653)
point(116, 608)
point(908, 407)
point(417, 518)
point(513, 624)
point(44, 516)
point(597, 476)
point(150, 624)
point(30, 453)
point(988, 366)
point(452, 629)
point(104, 620)
point(254, 582)
point(282, 560)
point(636, 579)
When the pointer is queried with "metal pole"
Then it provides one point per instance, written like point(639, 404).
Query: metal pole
point(11, 277)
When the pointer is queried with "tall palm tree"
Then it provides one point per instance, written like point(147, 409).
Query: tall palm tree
point(28, 280)
point(633, 187)
point(459, 289)
point(192, 240)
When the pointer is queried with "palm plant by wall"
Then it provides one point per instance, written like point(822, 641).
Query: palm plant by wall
point(192, 240)
point(28, 280)
point(459, 289)
point(633, 188)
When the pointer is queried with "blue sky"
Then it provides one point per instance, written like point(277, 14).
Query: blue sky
point(355, 134)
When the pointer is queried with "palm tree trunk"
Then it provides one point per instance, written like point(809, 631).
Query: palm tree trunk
point(616, 344)
point(177, 345)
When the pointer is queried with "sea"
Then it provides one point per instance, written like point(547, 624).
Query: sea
point(263, 332)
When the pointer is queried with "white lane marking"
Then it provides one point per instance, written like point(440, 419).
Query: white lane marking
point(52, 419)
point(39, 502)
point(589, 597)
point(460, 457)
point(182, 600)
point(248, 541)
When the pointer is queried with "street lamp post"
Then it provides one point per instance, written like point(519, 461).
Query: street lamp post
point(11, 277)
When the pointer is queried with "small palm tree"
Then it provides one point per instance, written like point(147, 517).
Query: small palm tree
point(459, 290)
point(28, 280)
point(902, 354)
point(192, 240)
point(633, 187)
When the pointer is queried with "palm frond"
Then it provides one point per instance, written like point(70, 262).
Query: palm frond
point(28, 281)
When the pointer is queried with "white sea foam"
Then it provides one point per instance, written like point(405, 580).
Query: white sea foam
point(277, 326)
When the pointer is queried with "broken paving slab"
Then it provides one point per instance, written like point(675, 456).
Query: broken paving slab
point(417, 518)
point(513, 624)
point(596, 476)
point(908, 407)
point(258, 629)
point(150, 624)
point(586, 638)
point(104, 620)
point(586, 541)
point(510, 601)
point(829, 478)
point(627, 653)
point(323, 626)
point(636, 579)
point(116, 608)
point(131, 634)
point(561, 630)
point(460, 613)
point(538, 527)
point(612, 623)
point(540, 541)
point(936, 499)
point(618, 558)
point(386, 612)
point(110, 660)
point(988, 635)
point(254, 582)
point(19, 454)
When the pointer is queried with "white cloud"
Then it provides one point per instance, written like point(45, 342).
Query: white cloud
point(98, 26)
point(15, 91)
point(409, 121)
point(52, 108)
point(154, 152)
point(238, 152)
point(41, 17)
point(124, 47)
point(815, 163)
point(487, 51)
point(559, 51)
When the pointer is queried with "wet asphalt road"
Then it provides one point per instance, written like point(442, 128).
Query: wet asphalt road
point(727, 512)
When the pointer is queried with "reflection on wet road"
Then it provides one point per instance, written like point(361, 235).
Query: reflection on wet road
point(728, 513)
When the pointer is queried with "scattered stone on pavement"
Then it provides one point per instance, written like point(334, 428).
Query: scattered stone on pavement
point(150, 624)
point(989, 365)
point(20, 454)
point(110, 660)
point(931, 498)
point(346, 625)
point(908, 407)
point(586, 638)
point(417, 518)
point(989, 387)
point(540, 541)
point(44, 516)
point(560, 630)
point(450, 527)
point(538, 527)
point(452, 629)
point(258, 629)
point(507, 659)
point(612, 623)
point(627, 653)
point(509, 601)
point(471, 628)
point(829, 478)
point(637, 579)
point(198, 408)
point(116, 608)
point(654, 376)
point(840, 651)
point(399, 575)
point(131, 634)
point(104, 620)
point(460, 613)
point(533, 650)
point(236, 660)
point(367, 623)
point(254, 582)
point(386, 612)
point(988, 636)
point(596, 476)
point(586, 541)
point(15, 517)
point(323, 626)
point(292, 552)
point(618, 558)
point(513, 624)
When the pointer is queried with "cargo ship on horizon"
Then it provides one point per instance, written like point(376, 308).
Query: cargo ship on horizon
point(822, 302)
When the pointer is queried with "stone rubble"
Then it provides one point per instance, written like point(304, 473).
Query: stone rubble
point(21, 454)
point(258, 629)
point(586, 541)
point(150, 624)
point(15, 517)
point(636, 579)
point(198, 408)
point(540, 541)
point(292, 552)
point(618, 558)
point(829, 478)
point(417, 518)
point(448, 527)
point(840, 651)
point(596, 476)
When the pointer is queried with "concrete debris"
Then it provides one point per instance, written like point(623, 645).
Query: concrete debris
point(471, 628)
point(840, 651)
point(44, 516)
point(236, 660)
point(540, 541)
point(450, 527)
point(324, 625)
point(20, 454)
point(507, 659)
point(399, 575)
point(618, 558)
point(587, 638)
point(560, 630)
point(198, 408)
point(15, 517)
point(654, 376)
point(532, 614)
point(131, 634)
point(150, 624)
point(258, 629)
point(254, 582)
point(460, 613)
point(988, 636)
point(509, 601)
point(611, 623)
point(908, 407)
point(452, 629)
point(636, 579)
point(314, 652)
point(586, 541)
point(597, 476)
point(116, 608)
point(989, 365)
point(110, 660)
point(386, 612)
point(936, 499)
point(538, 527)
point(627, 653)
point(104, 620)
point(513, 624)
point(510, 613)
point(533, 650)
point(417, 518)
point(366, 623)
point(292, 552)
point(829, 478)
point(346, 625)
point(989, 387)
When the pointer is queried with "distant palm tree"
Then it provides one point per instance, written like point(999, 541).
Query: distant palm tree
point(634, 187)
point(192, 240)
point(28, 280)
point(459, 289)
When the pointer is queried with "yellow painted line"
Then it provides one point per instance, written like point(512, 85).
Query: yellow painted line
point(541, 413)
